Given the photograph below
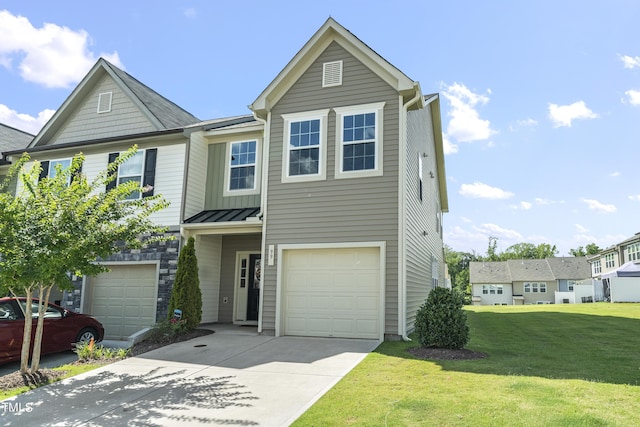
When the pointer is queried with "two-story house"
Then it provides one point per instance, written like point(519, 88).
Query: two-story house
point(319, 213)
point(617, 270)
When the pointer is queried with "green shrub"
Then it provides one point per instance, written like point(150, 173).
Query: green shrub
point(166, 330)
point(88, 350)
point(186, 294)
point(441, 322)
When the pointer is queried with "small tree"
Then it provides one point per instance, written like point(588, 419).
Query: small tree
point(61, 225)
point(186, 294)
point(441, 322)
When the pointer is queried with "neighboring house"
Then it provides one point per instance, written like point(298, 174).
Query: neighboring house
point(107, 113)
point(321, 214)
point(11, 139)
point(317, 214)
point(614, 269)
point(530, 281)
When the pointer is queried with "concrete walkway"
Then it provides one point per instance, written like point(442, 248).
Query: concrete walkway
point(232, 377)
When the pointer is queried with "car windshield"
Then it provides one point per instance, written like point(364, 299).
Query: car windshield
point(50, 313)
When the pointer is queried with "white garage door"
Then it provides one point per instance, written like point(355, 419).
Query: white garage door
point(124, 299)
point(332, 292)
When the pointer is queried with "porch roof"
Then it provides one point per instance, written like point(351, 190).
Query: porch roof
point(223, 215)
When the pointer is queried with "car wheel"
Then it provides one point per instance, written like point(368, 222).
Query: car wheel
point(87, 335)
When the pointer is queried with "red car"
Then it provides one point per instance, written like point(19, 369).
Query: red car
point(62, 328)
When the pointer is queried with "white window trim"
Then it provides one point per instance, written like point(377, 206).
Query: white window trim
point(120, 175)
point(377, 108)
point(331, 70)
point(227, 170)
point(52, 166)
point(321, 115)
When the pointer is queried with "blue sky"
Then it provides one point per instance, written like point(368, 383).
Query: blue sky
point(540, 100)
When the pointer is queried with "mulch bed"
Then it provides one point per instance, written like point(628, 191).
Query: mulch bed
point(46, 376)
point(432, 353)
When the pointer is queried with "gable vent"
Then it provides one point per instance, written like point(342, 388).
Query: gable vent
point(104, 102)
point(332, 74)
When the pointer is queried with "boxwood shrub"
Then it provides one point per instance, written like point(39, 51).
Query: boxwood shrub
point(441, 322)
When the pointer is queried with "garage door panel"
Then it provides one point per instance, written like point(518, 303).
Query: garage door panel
point(332, 292)
point(124, 299)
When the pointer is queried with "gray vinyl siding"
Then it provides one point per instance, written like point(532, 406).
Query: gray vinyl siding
point(125, 118)
point(214, 197)
point(335, 211)
point(421, 216)
point(230, 246)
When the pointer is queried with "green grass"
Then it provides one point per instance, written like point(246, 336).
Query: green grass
point(71, 371)
point(551, 365)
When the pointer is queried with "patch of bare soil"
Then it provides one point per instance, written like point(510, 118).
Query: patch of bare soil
point(432, 353)
point(47, 376)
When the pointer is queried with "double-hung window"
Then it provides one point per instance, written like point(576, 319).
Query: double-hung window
point(609, 261)
point(633, 252)
point(243, 173)
point(359, 140)
point(140, 168)
point(49, 167)
point(304, 154)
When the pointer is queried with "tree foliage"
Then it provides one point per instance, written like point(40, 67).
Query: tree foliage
point(60, 225)
point(441, 321)
point(186, 294)
point(590, 249)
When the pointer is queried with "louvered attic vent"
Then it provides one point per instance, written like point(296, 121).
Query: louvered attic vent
point(104, 102)
point(332, 74)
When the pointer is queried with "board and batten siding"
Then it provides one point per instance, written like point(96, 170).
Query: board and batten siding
point(421, 215)
point(125, 117)
point(196, 175)
point(343, 210)
point(216, 168)
point(209, 252)
point(230, 246)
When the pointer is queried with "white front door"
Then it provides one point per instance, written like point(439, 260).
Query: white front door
point(247, 288)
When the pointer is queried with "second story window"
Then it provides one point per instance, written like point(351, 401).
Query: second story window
point(49, 167)
point(141, 168)
point(242, 166)
point(609, 261)
point(359, 145)
point(305, 146)
point(633, 252)
point(596, 268)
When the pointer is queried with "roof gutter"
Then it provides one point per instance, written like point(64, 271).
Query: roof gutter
point(402, 242)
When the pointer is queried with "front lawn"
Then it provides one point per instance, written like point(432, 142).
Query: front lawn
point(547, 365)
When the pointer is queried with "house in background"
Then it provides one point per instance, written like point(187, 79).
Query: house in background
point(616, 270)
point(319, 213)
point(11, 139)
point(107, 113)
point(530, 281)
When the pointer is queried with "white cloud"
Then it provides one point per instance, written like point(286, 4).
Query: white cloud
point(51, 56)
point(527, 123)
point(597, 206)
point(190, 12)
point(448, 146)
point(615, 174)
point(633, 97)
point(465, 124)
point(580, 229)
point(630, 61)
point(522, 205)
point(24, 122)
point(635, 198)
point(499, 232)
point(484, 191)
point(563, 115)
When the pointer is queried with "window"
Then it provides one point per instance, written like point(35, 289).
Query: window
point(49, 167)
point(571, 284)
point(535, 287)
point(141, 168)
point(420, 185)
point(492, 289)
point(305, 150)
point(435, 272)
point(596, 267)
point(633, 252)
point(104, 102)
point(242, 170)
point(359, 144)
point(609, 261)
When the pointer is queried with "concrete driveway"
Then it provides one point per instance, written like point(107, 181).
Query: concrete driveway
point(220, 379)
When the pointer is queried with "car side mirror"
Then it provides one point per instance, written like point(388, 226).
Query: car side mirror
point(65, 313)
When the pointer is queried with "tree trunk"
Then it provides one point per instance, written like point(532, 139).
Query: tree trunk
point(26, 337)
point(37, 341)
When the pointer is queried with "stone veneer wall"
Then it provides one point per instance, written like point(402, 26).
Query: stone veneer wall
point(165, 251)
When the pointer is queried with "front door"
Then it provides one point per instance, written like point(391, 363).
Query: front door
point(247, 292)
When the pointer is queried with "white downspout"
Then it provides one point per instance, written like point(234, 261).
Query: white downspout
point(402, 247)
point(263, 206)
